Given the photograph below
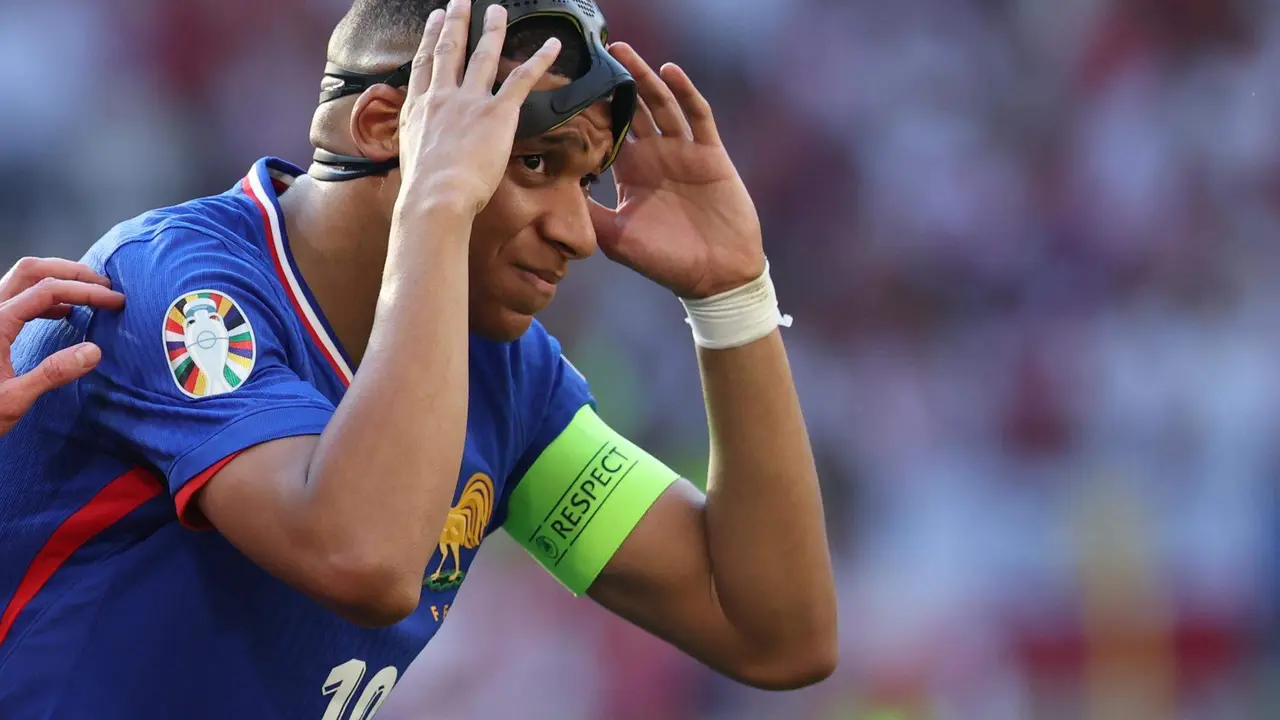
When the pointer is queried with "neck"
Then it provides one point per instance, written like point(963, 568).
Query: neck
point(340, 245)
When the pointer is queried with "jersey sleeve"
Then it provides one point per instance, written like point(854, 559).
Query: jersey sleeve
point(582, 487)
point(195, 369)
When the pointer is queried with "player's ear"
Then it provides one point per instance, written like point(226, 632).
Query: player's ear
point(375, 122)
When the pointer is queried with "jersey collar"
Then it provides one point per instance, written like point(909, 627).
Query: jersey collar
point(266, 180)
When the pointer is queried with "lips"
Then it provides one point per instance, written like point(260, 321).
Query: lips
point(549, 276)
point(542, 280)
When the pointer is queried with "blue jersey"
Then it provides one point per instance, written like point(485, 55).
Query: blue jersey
point(115, 603)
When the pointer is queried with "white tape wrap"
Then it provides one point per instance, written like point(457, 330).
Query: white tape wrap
point(738, 317)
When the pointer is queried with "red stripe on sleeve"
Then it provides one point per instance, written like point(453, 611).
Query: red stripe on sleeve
point(188, 513)
point(112, 503)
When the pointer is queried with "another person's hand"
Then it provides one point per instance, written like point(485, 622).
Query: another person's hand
point(684, 217)
point(456, 135)
point(46, 288)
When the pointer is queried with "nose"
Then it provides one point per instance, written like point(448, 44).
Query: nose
point(566, 223)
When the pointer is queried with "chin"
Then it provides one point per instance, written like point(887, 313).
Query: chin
point(501, 325)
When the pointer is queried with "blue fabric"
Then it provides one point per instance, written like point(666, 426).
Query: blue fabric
point(144, 618)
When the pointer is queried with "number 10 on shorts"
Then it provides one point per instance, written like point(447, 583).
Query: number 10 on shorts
point(342, 684)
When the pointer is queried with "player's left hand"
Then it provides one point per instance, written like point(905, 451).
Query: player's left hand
point(684, 219)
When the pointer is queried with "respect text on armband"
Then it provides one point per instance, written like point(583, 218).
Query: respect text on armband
point(580, 503)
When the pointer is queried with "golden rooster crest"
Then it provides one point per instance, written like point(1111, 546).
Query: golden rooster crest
point(464, 528)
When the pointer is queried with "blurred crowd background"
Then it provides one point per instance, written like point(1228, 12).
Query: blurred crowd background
point(1032, 252)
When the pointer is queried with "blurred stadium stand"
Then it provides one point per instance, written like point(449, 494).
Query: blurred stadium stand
point(1032, 250)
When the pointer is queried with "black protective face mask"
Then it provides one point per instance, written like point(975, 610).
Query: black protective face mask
point(543, 111)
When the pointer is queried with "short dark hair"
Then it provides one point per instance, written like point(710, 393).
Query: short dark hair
point(370, 22)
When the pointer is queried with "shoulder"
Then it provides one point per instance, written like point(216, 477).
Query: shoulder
point(538, 354)
point(548, 388)
point(528, 379)
point(531, 367)
point(213, 232)
point(160, 260)
point(211, 244)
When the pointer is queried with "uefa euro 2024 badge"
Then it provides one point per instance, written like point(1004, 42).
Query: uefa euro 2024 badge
point(209, 343)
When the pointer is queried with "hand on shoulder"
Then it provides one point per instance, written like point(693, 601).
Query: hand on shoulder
point(46, 288)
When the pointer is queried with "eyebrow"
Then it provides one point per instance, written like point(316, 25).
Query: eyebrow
point(568, 139)
point(565, 141)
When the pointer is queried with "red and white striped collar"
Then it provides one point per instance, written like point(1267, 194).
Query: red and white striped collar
point(265, 181)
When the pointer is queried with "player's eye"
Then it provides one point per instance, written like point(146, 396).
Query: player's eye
point(191, 321)
point(534, 163)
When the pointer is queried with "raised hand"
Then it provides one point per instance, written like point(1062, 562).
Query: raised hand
point(46, 288)
point(684, 218)
point(455, 133)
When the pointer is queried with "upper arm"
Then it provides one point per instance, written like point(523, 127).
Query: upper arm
point(217, 408)
point(609, 520)
point(579, 488)
point(274, 534)
point(661, 580)
point(196, 370)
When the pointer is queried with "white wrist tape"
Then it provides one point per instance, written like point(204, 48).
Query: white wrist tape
point(737, 317)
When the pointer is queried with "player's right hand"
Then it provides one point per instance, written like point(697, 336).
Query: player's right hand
point(46, 288)
point(456, 134)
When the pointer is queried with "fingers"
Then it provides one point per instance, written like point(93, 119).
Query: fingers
point(420, 76)
point(483, 69)
point(605, 221)
point(63, 367)
point(46, 295)
point(695, 106)
point(642, 125)
point(28, 271)
point(48, 288)
point(609, 236)
point(452, 46)
point(666, 112)
point(57, 312)
point(518, 85)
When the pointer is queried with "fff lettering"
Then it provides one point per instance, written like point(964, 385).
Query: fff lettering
point(583, 501)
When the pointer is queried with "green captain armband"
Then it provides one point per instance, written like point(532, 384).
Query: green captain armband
point(582, 497)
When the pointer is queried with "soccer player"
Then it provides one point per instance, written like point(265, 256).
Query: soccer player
point(323, 394)
point(46, 288)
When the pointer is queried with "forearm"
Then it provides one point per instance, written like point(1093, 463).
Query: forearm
point(764, 516)
point(389, 458)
